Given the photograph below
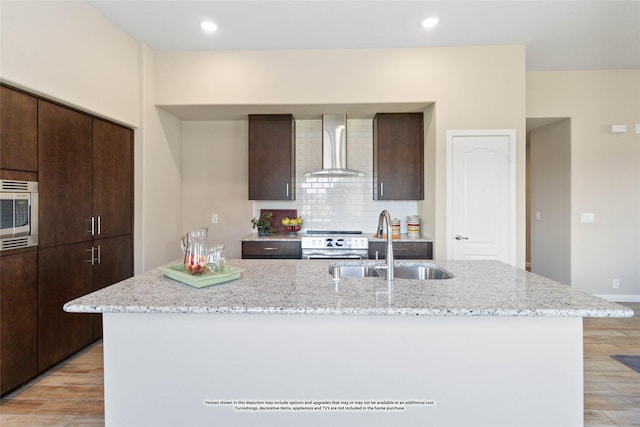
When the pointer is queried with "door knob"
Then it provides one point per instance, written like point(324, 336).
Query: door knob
point(459, 237)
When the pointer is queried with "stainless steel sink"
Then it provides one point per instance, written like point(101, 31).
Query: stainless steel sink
point(421, 272)
point(411, 271)
point(355, 271)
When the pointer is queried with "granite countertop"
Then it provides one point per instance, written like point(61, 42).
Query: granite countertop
point(253, 237)
point(479, 288)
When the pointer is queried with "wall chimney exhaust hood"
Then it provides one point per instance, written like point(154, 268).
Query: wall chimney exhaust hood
point(334, 148)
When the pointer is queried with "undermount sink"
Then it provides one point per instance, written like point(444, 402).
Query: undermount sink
point(355, 271)
point(412, 271)
point(421, 272)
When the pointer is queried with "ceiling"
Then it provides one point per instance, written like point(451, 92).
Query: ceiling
point(559, 35)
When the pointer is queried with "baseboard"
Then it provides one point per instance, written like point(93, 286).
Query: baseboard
point(621, 298)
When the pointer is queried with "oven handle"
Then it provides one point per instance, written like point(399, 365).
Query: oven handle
point(337, 256)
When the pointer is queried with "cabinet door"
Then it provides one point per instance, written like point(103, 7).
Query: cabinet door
point(18, 319)
point(115, 264)
point(112, 178)
point(18, 130)
point(64, 175)
point(402, 250)
point(63, 274)
point(271, 157)
point(271, 249)
point(398, 156)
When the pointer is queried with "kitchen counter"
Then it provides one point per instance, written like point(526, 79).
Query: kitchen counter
point(286, 345)
point(479, 288)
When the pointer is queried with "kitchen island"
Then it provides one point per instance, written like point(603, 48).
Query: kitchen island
point(286, 344)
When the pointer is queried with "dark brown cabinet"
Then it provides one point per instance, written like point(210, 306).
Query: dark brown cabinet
point(398, 156)
point(18, 319)
point(64, 175)
point(112, 179)
point(113, 262)
point(18, 130)
point(271, 157)
point(85, 175)
point(64, 273)
point(274, 249)
point(86, 222)
point(402, 250)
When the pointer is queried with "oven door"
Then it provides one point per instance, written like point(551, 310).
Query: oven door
point(15, 214)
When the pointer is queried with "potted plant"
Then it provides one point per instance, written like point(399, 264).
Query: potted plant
point(264, 224)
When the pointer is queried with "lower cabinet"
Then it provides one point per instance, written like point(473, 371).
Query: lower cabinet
point(402, 250)
point(67, 272)
point(18, 319)
point(63, 274)
point(274, 249)
point(115, 264)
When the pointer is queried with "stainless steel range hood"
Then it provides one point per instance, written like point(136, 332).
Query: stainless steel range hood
point(334, 148)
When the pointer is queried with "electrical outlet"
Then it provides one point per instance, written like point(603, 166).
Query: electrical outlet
point(616, 283)
point(214, 218)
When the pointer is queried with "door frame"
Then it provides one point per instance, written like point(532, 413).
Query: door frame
point(511, 134)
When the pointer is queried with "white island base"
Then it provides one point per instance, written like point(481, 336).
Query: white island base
point(166, 369)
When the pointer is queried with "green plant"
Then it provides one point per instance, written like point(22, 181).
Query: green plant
point(263, 223)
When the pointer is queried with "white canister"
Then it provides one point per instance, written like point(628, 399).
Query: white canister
point(413, 226)
point(395, 227)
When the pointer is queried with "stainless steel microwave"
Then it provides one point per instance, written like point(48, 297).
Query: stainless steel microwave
point(18, 214)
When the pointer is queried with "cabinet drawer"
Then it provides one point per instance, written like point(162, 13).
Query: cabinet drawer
point(271, 249)
point(402, 250)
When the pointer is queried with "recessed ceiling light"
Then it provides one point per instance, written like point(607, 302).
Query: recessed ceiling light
point(208, 26)
point(430, 22)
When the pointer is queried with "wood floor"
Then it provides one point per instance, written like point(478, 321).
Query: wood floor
point(611, 390)
point(72, 393)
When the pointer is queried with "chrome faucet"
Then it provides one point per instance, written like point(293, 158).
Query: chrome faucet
point(384, 215)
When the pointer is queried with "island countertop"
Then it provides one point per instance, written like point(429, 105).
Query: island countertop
point(479, 288)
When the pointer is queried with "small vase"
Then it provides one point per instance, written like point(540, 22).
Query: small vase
point(263, 231)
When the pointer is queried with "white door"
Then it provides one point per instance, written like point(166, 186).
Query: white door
point(481, 195)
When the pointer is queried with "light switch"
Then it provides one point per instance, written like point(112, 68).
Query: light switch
point(618, 128)
point(587, 217)
point(538, 215)
point(637, 128)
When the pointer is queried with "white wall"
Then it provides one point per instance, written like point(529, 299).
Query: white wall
point(158, 177)
point(550, 196)
point(67, 51)
point(472, 87)
point(605, 172)
point(214, 180)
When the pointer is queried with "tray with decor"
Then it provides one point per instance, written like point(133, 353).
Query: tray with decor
point(207, 278)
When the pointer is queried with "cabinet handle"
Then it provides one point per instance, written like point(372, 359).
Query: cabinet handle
point(270, 249)
point(93, 225)
point(92, 260)
point(99, 225)
point(287, 189)
point(381, 189)
point(98, 253)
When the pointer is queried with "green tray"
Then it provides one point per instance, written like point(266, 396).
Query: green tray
point(179, 272)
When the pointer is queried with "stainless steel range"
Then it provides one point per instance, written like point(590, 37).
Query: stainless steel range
point(324, 244)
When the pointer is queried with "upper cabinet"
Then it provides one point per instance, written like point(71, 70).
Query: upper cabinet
point(398, 156)
point(112, 179)
point(18, 131)
point(271, 157)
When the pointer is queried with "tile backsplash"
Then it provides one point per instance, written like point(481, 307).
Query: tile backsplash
point(330, 203)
